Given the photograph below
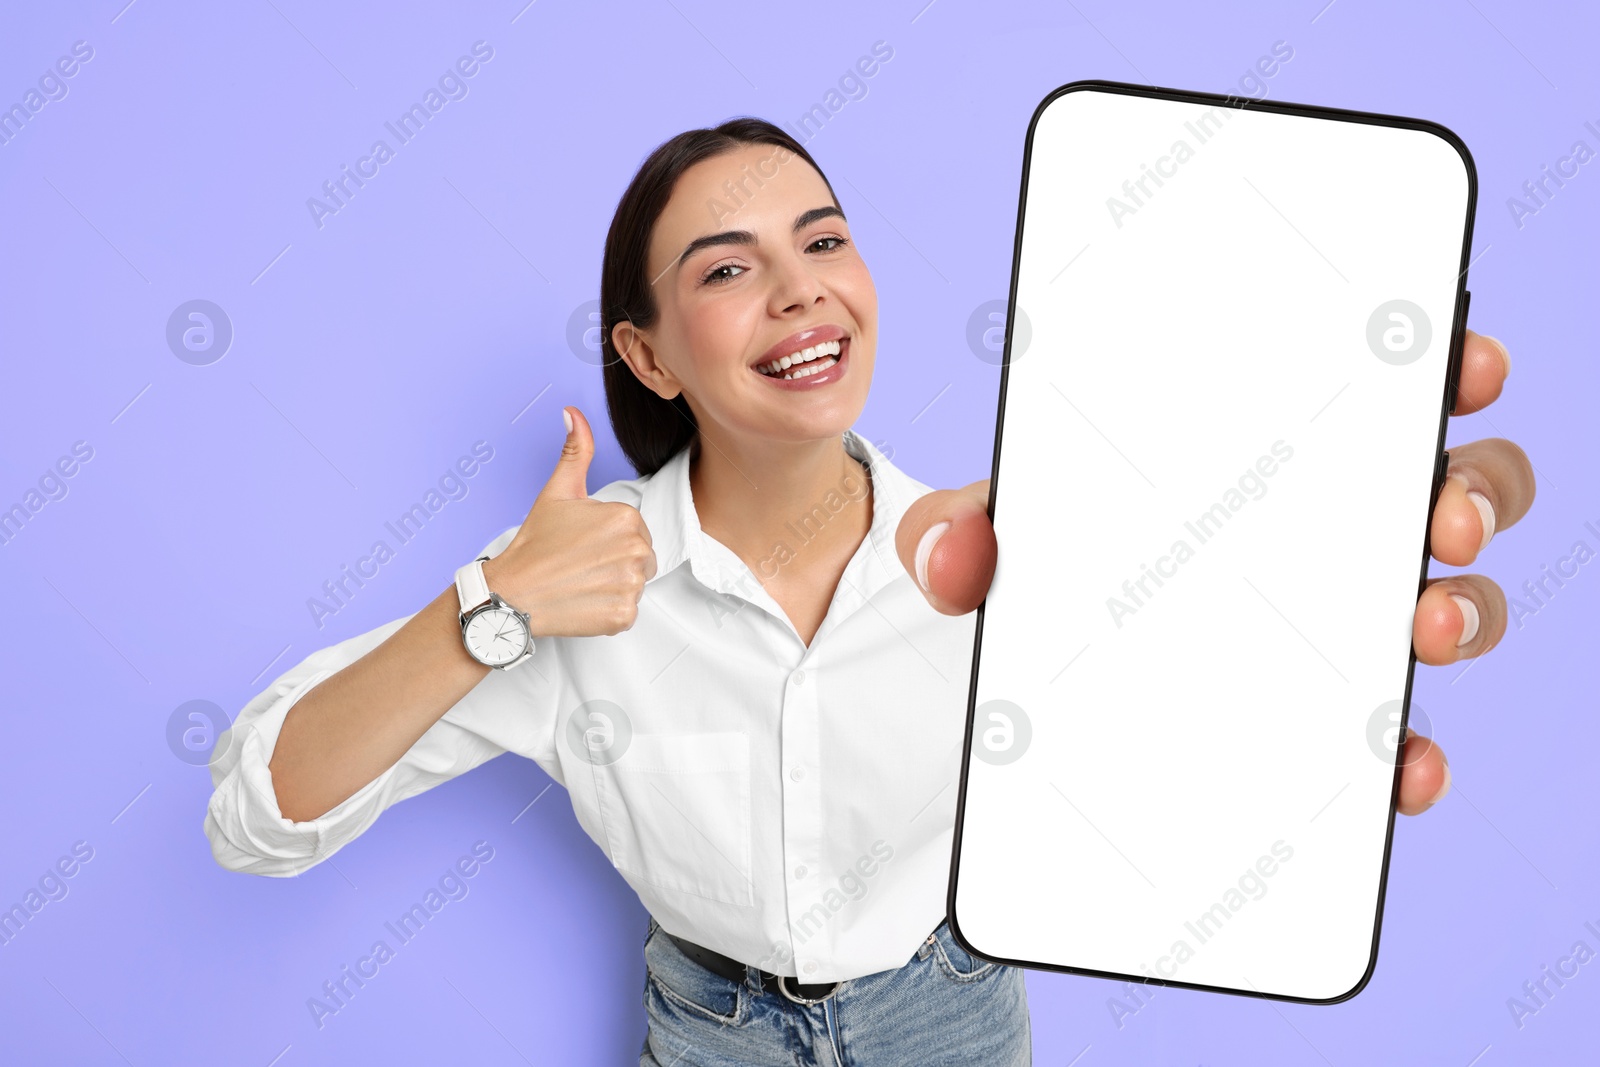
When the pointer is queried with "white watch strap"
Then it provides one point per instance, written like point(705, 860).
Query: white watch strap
point(470, 585)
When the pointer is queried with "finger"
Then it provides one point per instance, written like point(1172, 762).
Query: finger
point(570, 479)
point(1457, 618)
point(1488, 487)
point(946, 543)
point(1424, 776)
point(1484, 367)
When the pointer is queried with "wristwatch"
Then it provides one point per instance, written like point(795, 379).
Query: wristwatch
point(495, 633)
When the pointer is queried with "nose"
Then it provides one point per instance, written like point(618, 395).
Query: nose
point(795, 286)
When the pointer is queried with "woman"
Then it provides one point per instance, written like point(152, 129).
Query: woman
point(750, 664)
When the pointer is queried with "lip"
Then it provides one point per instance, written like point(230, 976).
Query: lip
point(821, 378)
point(800, 340)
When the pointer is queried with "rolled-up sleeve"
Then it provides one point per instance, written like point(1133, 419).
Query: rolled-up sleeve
point(247, 831)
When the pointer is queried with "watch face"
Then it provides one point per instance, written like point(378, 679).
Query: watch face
point(496, 636)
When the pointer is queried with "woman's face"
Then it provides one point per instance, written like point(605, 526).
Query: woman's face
point(770, 272)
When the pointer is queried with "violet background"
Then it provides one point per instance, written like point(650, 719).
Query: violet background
point(430, 313)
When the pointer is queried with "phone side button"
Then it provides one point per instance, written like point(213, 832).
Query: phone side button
point(1458, 357)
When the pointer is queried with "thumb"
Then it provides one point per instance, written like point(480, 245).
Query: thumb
point(570, 480)
point(946, 543)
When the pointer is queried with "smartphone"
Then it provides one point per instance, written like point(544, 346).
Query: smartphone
point(1232, 344)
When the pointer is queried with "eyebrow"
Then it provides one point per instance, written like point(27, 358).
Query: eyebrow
point(745, 237)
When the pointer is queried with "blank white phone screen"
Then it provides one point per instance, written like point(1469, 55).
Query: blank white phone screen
point(1222, 412)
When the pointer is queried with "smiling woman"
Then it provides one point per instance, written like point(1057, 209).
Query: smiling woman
point(709, 274)
point(748, 756)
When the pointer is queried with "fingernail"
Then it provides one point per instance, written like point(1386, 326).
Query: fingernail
point(1443, 789)
point(1486, 512)
point(925, 549)
point(1503, 353)
point(1469, 619)
point(566, 417)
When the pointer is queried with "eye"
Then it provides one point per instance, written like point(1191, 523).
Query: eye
point(714, 276)
point(838, 242)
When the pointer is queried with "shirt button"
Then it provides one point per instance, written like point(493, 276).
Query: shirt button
point(800, 871)
point(798, 677)
point(797, 773)
point(810, 968)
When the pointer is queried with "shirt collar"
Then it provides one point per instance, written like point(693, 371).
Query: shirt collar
point(667, 507)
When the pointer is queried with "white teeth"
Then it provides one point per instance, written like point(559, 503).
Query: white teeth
point(806, 355)
point(817, 368)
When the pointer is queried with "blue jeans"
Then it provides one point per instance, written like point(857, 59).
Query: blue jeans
point(943, 1008)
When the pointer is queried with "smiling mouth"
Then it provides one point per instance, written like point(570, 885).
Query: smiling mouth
point(804, 363)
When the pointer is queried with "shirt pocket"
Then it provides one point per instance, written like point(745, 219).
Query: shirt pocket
point(676, 812)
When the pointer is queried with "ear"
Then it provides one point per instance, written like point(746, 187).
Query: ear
point(636, 351)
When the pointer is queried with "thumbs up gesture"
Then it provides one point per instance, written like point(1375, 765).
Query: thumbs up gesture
point(577, 566)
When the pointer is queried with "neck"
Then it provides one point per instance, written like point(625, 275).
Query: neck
point(772, 502)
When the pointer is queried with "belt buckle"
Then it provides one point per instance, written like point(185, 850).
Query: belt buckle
point(783, 988)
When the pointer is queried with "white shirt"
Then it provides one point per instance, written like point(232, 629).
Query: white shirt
point(789, 806)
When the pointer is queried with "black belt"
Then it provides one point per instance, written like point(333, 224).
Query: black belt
point(804, 993)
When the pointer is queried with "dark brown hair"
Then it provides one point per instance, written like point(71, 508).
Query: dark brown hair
point(649, 429)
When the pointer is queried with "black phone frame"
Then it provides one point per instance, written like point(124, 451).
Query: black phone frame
point(1441, 462)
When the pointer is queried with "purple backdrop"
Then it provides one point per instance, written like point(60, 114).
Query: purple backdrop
point(355, 353)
